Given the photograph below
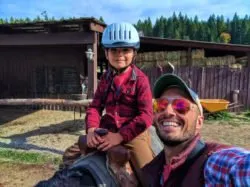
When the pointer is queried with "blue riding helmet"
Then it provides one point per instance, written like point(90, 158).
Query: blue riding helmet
point(120, 35)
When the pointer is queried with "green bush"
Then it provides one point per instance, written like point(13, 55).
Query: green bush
point(222, 115)
point(247, 114)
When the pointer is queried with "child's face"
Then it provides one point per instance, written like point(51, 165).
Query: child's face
point(120, 57)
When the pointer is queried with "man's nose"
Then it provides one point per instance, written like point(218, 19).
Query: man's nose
point(169, 110)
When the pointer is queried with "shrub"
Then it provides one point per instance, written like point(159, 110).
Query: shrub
point(221, 115)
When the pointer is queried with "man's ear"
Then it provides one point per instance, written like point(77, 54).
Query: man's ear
point(199, 123)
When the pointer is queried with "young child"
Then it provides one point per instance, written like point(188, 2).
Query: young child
point(124, 92)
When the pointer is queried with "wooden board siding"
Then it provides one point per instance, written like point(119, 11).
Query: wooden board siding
point(36, 71)
point(47, 39)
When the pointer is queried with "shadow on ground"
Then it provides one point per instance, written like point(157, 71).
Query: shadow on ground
point(8, 113)
point(19, 141)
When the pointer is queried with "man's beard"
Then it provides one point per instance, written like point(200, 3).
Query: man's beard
point(175, 142)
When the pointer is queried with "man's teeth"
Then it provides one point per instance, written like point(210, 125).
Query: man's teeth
point(170, 124)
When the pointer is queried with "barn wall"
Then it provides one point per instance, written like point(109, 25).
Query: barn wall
point(41, 71)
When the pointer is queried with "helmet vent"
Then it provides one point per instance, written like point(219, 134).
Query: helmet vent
point(125, 36)
point(120, 34)
point(110, 35)
point(129, 34)
point(114, 35)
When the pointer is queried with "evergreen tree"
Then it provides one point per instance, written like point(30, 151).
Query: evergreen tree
point(247, 37)
point(159, 27)
point(45, 16)
point(215, 29)
point(244, 29)
point(235, 32)
point(168, 28)
point(213, 34)
point(12, 20)
point(27, 20)
point(148, 27)
point(37, 19)
point(101, 19)
point(221, 25)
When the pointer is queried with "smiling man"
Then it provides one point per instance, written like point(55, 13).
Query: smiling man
point(186, 160)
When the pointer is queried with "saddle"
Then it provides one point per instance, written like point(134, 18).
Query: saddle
point(118, 161)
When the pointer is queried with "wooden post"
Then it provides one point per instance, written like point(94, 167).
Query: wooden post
point(248, 59)
point(203, 82)
point(92, 68)
point(189, 57)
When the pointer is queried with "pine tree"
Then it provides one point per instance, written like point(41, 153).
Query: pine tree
point(12, 20)
point(247, 37)
point(235, 25)
point(213, 35)
point(221, 25)
point(148, 27)
point(244, 29)
point(101, 19)
point(168, 28)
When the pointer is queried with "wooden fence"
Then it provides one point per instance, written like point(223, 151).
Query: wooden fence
point(212, 82)
point(208, 82)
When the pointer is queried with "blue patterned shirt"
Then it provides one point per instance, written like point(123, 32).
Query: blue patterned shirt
point(228, 167)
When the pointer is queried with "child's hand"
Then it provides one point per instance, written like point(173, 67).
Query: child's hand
point(110, 140)
point(93, 140)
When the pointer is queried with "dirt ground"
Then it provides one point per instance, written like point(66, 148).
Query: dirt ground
point(53, 131)
point(13, 175)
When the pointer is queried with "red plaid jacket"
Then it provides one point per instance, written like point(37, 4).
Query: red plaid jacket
point(128, 109)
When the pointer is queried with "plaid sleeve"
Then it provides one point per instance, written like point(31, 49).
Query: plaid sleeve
point(94, 111)
point(145, 112)
point(228, 167)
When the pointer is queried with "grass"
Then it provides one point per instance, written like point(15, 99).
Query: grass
point(219, 116)
point(28, 157)
point(230, 117)
point(247, 114)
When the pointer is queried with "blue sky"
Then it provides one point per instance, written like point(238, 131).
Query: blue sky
point(122, 10)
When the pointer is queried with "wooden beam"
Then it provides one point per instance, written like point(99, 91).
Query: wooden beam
point(40, 101)
point(193, 44)
point(92, 69)
point(189, 57)
point(241, 58)
point(96, 27)
point(248, 59)
point(47, 39)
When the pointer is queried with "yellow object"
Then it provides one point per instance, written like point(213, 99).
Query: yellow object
point(214, 105)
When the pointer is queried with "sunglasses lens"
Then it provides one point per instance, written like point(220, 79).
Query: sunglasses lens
point(160, 105)
point(181, 106)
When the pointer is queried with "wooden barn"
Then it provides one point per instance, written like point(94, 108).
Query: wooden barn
point(213, 70)
point(153, 44)
point(46, 59)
